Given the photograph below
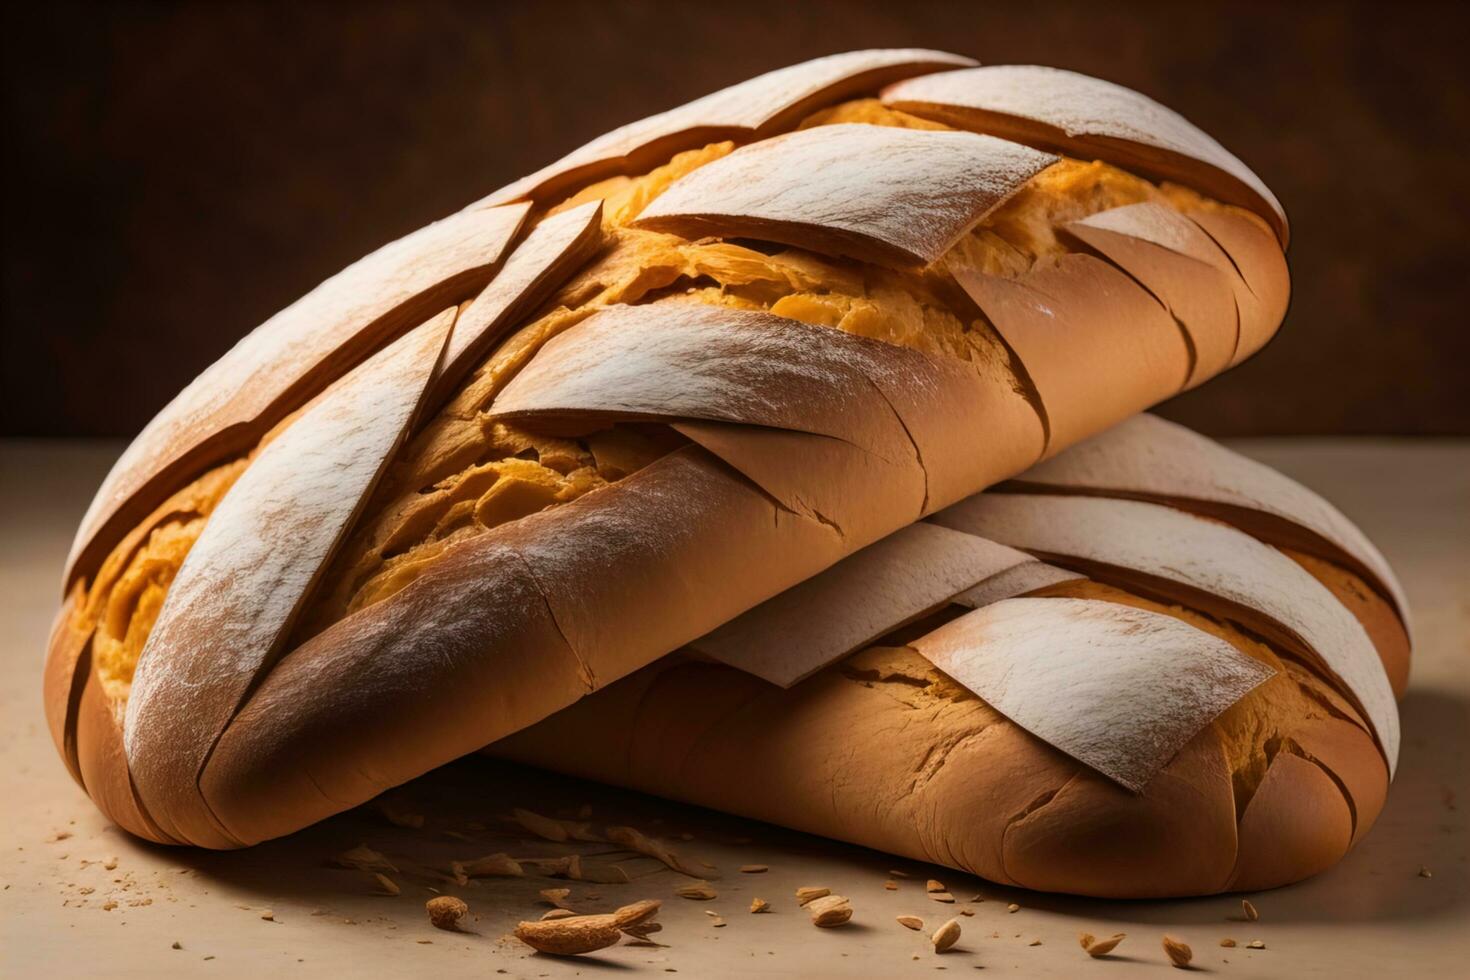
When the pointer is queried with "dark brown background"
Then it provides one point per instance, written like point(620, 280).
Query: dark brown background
point(176, 173)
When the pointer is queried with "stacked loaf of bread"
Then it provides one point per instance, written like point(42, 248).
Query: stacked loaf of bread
point(1148, 667)
point(548, 440)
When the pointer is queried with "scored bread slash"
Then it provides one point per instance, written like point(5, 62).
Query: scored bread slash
point(907, 195)
point(251, 572)
point(910, 922)
point(446, 912)
point(1178, 952)
point(700, 891)
point(829, 910)
point(809, 893)
point(946, 935)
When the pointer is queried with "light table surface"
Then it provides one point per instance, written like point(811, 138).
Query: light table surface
point(80, 898)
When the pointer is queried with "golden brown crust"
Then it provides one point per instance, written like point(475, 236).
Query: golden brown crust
point(361, 695)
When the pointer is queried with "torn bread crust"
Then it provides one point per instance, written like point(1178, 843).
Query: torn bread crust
point(941, 407)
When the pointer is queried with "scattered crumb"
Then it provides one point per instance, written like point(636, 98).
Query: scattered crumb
point(268, 915)
point(1249, 910)
point(898, 874)
point(759, 905)
point(1255, 944)
point(110, 864)
point(556, 896)
point(829, 910)
point(941, 897)
point(754, 869)
point(967, 911)
point(809, 893)
point(1034, 942)
point(1178, 952)
point(946, 935)
point(557, 914)
point(891, 885)
point(700, 891)
point(1425, 872)
point(910, 922)
point(446, 912)
point(1099, 947)
point(386, 885)
point(177, 945)
point(1013, 907)
point(1228, 943)
point(59, 835)
point(935, 886)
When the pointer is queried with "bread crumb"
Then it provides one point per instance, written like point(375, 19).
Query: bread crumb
point(556, 896)
point(759, 905)
point(753, 869)
point(829, 910)
point(1178, 952)
point(268, 915)
point(1255, 944)
point(557, 914)
point(1425, 872)
point(910, 921)
point(946, 935)
point(1228, 943)
point(177, 945)
point(941, 897)
point(446, 912)
point(1013, 907)
point(1099, 947)
point(1249, 910)
point(386, 885)
point(935, 886)
point(809, 893)
point(699, 892)
point(1034, 942)
point(891, 886)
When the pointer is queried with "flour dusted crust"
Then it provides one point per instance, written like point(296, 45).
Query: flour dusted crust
point(657, 400)
point(1077, 114)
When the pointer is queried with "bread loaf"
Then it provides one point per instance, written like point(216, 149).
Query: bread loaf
point(1128, 718)
point(538, 445)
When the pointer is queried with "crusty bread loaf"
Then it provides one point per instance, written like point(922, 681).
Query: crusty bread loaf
point(711, 354)
point(883, 748)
